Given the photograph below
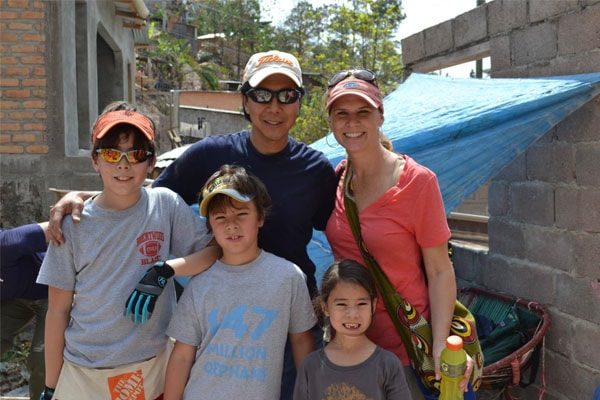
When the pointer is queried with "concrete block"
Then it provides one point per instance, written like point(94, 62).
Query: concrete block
point(542, 9)
point(550, 247)
point(21, 203)
point(587, 254)
point(532, 391)
point(534, 43)
point(559, 337)
point(583, 125)
point(589, 212)
point(470, 26)
point(569, 379)
point(506, 238)
point(579, 32)
point(581, 63)
point(498, 199)
point(468, 262)
point(519, 278)
point(579, 297)
point(513, 172)
point(500, 53)
point(532, 203)
point(552, 162)
point(586, 337)
point(413, 48)
point(587, 164)
point(566, 203)
point(438, 38)
point(506, 15)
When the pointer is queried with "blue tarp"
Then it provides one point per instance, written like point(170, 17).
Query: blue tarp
point(467, 130)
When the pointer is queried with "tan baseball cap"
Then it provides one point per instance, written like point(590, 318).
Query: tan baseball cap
point(262, 65)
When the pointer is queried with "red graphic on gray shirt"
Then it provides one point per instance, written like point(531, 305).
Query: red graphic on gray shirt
point(149, 245)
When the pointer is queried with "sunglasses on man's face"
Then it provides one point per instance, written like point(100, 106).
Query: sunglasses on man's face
point(114, 156)
point(265, 96)
point(362, 74)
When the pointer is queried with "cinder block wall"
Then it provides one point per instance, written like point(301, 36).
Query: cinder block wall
point(544, 228)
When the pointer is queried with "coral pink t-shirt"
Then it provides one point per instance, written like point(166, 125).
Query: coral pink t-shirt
point(406, 218)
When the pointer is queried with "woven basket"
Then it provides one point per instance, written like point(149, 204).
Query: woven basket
point(508, 371)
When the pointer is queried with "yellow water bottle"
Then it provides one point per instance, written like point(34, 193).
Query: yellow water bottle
point(453, 363)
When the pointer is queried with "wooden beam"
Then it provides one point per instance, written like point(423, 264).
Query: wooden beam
point(457, 57)
point(132, 25)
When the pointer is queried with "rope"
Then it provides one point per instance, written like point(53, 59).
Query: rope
point(543, 377)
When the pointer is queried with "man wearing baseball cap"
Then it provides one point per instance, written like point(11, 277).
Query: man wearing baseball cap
point(300, 180)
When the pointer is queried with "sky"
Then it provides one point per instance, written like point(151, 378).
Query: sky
point(420, 14)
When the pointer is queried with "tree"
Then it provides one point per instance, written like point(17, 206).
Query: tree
point(171, 56)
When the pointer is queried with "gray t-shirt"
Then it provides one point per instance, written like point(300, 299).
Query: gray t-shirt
point(239, 318)
point(380, 377)
point(104, 256)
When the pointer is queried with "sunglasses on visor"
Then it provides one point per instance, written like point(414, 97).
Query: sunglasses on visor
point(114, 156)
point(265, 96)
point(362, 74)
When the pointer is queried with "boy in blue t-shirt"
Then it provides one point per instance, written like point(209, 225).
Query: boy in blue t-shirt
point(232, 321)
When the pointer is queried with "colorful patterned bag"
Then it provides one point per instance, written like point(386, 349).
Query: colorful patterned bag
point(412, 327)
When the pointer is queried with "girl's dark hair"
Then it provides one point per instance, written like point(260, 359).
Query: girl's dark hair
point(344, 271)
point(245, 183)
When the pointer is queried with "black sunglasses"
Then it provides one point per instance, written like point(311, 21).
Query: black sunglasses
point(265, 96)
point(362, 74)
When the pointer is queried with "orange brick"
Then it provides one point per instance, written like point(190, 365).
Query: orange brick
point(40, 115)
point(32, 59)
point(10, 127)
point(38, 93)
point(37, 149)
point(18, 3)
point(34, 127)
point(24, 48)
point(10, 105)
point(8, 37)
point(9, 60)
point(4, 138)
point(17, 94)
point(33, 37)
point(17, 71)
point(19, 26)
point(34, 104)
point(19, 115)
point(8, 15)
point(32, 15)
point(24, 137)
point(39, 71)
point(38, 4)
point(34, 82)
point(9, 82)
point(13, 149)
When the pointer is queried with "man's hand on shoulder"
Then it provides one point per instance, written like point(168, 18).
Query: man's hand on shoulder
point(71, 203)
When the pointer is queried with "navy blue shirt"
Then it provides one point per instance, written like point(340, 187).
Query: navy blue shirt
point(300, 180)
point(22, 251)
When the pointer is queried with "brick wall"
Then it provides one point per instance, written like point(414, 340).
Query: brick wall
point(22, 77)
point(544, 227)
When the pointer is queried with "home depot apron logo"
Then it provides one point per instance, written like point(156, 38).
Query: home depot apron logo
point(128, 386)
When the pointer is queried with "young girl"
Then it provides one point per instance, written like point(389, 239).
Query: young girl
point(350, 366)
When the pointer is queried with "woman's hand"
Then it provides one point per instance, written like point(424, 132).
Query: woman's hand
point(437, 352)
